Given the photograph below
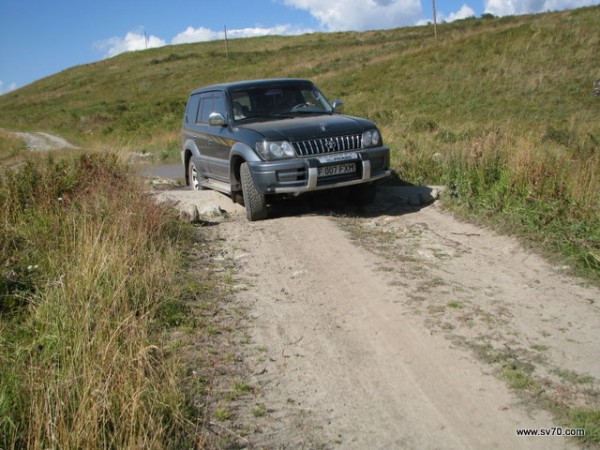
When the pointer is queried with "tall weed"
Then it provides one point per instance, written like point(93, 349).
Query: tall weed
point(11, 146)
point(541, 191)
point(89, 262)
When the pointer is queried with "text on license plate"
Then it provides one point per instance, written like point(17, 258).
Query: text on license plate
point(338, 169)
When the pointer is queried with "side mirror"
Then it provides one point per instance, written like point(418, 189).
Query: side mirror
point(337, 105)
point(216, 120)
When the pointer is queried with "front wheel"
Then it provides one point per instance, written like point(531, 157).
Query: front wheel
point(254, 201)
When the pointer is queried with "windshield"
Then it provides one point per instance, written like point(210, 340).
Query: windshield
point(278, 101)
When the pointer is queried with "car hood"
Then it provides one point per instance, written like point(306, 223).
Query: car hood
point(310, 127)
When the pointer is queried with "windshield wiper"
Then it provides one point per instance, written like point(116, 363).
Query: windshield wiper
point(261, 116)
point(300, 112)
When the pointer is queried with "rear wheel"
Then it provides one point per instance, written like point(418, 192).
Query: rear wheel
point(193, 179)
point(254, 201)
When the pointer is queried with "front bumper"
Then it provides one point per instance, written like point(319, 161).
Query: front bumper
point(298, 175)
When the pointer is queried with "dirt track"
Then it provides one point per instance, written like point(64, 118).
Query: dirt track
point(398, 327)
point(40, 142)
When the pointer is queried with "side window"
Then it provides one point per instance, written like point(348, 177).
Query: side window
point(206, 107)
point(191, 112)
point(240, 105)
point(220, 104)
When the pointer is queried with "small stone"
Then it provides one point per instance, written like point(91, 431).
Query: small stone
point(428, 196)
point(213, 211)
point(189, 214)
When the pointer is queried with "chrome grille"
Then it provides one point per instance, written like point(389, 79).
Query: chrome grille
point(327, 145)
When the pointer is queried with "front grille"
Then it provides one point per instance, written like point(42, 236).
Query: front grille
point(328, 145)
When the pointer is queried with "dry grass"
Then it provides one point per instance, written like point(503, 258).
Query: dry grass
point(12, 148)
point(90, 263)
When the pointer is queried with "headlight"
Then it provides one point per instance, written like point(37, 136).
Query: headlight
point(275, 150)
point(371, 138)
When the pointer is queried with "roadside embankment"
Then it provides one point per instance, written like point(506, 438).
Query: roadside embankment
point(89, 280)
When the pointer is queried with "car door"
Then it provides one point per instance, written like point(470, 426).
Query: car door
point(221, 145)
point(197, 130)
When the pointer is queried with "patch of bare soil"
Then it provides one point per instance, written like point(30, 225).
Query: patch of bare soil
point(39, 142)
point(397, 327)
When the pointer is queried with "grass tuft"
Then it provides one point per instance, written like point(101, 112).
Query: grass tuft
point(589, 420)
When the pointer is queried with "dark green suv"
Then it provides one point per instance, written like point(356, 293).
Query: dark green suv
point(257, 139)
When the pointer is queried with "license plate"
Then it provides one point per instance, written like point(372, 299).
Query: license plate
point(339, 169)
point(337, 158)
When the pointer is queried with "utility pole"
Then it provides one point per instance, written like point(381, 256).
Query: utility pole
point(434, 20)
point(145, 39)
point(226, 43)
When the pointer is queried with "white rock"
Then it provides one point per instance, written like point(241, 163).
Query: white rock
point(189, 213)
point(428, 196)
point(213, 210)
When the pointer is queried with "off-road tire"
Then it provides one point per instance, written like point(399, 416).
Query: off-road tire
point(254, 201)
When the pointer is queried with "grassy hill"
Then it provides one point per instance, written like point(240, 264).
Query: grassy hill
point(500, 109)
point(523, 72)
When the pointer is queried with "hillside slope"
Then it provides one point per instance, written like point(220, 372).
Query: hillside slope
point(500, 109)
point(517, 70)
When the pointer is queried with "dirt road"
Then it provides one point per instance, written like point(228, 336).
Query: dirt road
point(400, 327)
point(39, 142)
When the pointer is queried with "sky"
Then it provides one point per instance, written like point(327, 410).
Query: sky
point(39, 38)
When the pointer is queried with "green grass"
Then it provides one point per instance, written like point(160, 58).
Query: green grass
point(589, 420)
point(539, 391)
point(12, 148)
point(517, 378)
point(455, 304)
point(573, 377)
point(222, 414)
point(260, 410)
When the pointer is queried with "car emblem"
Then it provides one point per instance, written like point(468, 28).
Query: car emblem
point(323, 126)
point(330, 144)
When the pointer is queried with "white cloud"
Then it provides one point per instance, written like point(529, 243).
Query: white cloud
point(464, 12)
point(134, 40)
point(204, 34)
point(7, 89)
point(339, 15)
point(201, 34)
point(515, 7)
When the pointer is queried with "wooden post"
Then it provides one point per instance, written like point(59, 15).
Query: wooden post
point(434, 20)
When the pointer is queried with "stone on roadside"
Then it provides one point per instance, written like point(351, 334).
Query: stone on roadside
point(189, 213)
point(429, 196)
point(213, 211)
